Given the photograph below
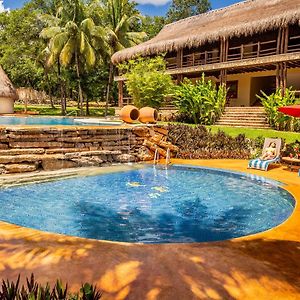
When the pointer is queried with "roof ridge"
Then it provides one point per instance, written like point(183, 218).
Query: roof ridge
point(209, 12)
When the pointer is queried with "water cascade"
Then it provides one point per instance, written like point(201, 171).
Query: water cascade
point(156, 157)
point(168, 157)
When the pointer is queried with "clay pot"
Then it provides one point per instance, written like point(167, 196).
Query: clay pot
point(148, 115)
point(129, 114)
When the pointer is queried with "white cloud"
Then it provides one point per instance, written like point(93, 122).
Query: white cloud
point(153, 2)
point(2, 8)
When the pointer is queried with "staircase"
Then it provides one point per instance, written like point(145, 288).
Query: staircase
point(254, 117)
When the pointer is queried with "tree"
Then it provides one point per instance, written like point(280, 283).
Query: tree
point(20, 45)
point(118, 17)
point(147, 81)
point(183, 9)
point(73, 40)
point(152, 25)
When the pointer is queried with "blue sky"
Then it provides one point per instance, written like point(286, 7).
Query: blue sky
point(148, 9)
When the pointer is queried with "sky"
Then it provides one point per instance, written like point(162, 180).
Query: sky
point(147, 7)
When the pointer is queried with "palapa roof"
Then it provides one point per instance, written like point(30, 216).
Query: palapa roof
point(7, 89)
point(244, 18)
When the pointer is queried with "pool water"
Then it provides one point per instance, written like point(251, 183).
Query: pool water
point(150, 205)
point(48, 121)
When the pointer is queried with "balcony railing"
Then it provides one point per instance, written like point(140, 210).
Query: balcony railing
point(238, 53)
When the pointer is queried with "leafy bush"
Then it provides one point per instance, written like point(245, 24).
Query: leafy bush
point(198, 142)
point(200, 103)
point(271, 104)
point(147, 81)
point(292, 150)
point(34, 291)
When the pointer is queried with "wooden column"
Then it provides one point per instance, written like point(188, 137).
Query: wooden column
point(281, 68)
point(121, 93)
point(179, 64)
point(223, 58)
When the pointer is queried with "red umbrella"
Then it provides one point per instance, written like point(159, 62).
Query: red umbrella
point(293, 110)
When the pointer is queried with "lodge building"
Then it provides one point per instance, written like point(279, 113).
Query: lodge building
point(251, 46)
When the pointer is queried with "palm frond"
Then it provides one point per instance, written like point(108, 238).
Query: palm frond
point(67, 52)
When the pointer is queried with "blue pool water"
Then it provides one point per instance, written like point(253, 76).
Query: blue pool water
point(150, 205)
point(48, 121)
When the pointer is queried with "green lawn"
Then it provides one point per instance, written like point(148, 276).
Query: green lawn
point(71, 111)
point(290, 137)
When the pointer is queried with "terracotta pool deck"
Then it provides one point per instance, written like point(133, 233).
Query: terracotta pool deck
point(262, 266)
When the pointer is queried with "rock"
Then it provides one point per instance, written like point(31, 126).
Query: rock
point(144, 154)
point(2, 169)
point(22, 151)
point(35, 144)
point(87, 161)
point(15, 159)
point(21, 168)
point(123, 158)
point(51, 164)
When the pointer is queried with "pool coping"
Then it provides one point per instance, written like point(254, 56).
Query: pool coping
point(260, 266)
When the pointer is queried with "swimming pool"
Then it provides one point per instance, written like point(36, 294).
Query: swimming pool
point(52, 121)
point(151, 205)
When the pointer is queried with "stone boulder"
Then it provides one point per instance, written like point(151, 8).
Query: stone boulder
point(124, 158)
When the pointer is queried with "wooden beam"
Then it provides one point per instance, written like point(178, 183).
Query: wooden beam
point(179, 58)
point(121, 93)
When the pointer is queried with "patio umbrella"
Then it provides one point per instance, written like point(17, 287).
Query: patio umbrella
point(293, 110)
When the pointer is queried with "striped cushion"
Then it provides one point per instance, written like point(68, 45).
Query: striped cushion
point(261, 164)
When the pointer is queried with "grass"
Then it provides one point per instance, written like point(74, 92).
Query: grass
point(44, 110)
point(253, 133)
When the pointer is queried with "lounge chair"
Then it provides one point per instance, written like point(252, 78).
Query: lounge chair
point(264, 164)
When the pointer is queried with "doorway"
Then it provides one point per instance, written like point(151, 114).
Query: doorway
point(264, 83)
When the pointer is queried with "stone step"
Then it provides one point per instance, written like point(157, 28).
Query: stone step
point(244, 108)
point(244, 125)
point(239, 118)
point(234, 113)
point(35, 158)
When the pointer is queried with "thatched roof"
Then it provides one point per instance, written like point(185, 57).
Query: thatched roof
point(7, 90)
point(244, 18)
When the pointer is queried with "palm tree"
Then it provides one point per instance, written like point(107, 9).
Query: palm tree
point(74, 39)
point(118, 18)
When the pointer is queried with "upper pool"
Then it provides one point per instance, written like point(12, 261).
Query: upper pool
point(53, 121)
point(151, 205)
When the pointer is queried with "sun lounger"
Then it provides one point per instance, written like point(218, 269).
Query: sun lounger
point(264, 164)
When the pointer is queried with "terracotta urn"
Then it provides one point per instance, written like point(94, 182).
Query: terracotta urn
point(148, 115)
point(129, 114)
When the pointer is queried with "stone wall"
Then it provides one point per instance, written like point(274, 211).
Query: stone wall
point(30, 149)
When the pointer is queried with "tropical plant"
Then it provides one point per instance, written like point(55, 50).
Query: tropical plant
point(147, 81)
point(271, 104)
point(201, 102)
point(118, 19)
point(32, 290)
point(74, 39)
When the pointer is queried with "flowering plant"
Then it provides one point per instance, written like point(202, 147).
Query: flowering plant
point(293, 150)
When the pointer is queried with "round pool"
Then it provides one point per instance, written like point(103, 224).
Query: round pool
point(151, 205)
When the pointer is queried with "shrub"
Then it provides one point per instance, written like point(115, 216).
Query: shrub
point(198, 142)
point(271, 104)
point(34, 291)
point(292, 150)
point(200, 103)
point(147, 82)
